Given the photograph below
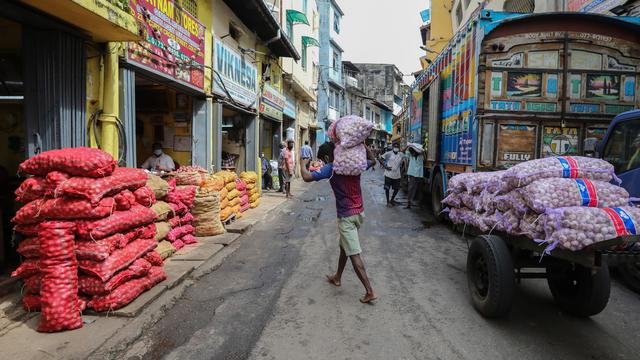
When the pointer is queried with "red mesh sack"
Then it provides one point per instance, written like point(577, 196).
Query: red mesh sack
point(189, 239)
point(127, 292)
point(118, 260)
point(29, 247)
point(31, 189)
point(120, 221)
point(95, 189)
point(179, 232)
point(27, 229)
point(147, 232)
point(59, 269)
point(63, 209)
point(53, 179)
point(124, 200)
point(244, 199)
point(245, 207)
point(145, 196)
point(27, 268)
point(179, 208)
point(154, 258)
point(182, 194)
point(32, 284)
point(98, 250)
point(31, 302)
point(178, 244)
point(92, 285)
point(80, 161)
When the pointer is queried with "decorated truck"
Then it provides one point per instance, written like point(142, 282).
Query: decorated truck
point(513, 87)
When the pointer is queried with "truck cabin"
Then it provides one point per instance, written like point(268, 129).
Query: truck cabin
point(621, 147)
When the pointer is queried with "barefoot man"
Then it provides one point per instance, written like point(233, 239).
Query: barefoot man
point(350, 215)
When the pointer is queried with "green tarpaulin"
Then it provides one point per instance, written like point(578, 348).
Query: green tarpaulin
point(296, 17)
point(309, 41)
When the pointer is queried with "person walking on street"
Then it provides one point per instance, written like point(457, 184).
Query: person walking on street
point(281, 167)
point(415, 171)
point(287, 173)
point(350, 207)
point(266, 172)
point(306, 153)
point(391, 161)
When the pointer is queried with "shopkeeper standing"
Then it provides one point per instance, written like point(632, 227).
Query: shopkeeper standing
point(159, 160)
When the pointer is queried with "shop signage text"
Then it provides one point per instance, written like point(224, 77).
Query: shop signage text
point(290, 107)
point(272, 103)
point(174, 41)
point(237, 75)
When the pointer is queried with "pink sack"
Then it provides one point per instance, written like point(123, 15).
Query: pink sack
point(182, 194)
point(179, 232)
point(349, 161)
point(145, 196)
point(154, 258)
point(92, 285)
point(189, 239)
point(95, 189)
point(80, 161)
point(351, 130)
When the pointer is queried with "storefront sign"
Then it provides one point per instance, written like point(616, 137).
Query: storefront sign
point(290, 107)
point(559, 141)
point(238, 76)
point(541, 106)
point(174, 45)
point(516, 143)
point(505, 105)
point(584, 108)
point(272, 102)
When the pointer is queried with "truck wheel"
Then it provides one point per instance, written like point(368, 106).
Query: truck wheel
point(490, 276)
point(630, 273)
point(437, 195)
point(576, 290)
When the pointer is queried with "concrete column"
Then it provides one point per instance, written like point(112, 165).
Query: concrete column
point(216, 135)
point(252, 143)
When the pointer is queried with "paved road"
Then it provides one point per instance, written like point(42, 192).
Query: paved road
point(270, 300)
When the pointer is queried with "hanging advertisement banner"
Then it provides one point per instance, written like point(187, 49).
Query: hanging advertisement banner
point(290, 107)
point(234, 76)
point(272, 102)
point(173, 45)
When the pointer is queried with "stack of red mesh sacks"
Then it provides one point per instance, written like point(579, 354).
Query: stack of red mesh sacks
point(82, 194)
point(181, 198)
point(241, 186)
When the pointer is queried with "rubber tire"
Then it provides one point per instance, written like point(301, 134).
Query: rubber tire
point(576, 291)
point(437, 195)
point(497, 299)
point(630, 273)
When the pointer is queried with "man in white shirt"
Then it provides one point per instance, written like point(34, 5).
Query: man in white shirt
point(391, 161)
point(159, 160)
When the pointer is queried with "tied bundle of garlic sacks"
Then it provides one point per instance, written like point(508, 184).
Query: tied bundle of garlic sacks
point(86, 234)
point(566, 202)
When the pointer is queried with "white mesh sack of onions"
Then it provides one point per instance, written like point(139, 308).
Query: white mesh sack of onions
point(575, 228)
point(557, 167)
point(477, 182)
point(556, 193)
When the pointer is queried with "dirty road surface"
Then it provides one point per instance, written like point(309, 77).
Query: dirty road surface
point(270, 299)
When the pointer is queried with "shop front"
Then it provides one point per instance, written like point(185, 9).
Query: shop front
point(235, 88)
point(43, 56)
point(163, 98)
point(272, 104)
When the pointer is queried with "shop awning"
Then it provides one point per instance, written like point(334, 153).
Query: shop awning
point(309, 41)
point(256, 16)
point(296, 17)
point(102, 20)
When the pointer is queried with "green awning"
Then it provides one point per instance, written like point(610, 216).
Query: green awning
point(309, 41)
point(296, 17)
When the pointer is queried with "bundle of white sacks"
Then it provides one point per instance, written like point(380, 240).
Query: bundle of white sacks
point(568, 202)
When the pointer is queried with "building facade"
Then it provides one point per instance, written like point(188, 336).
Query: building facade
point(302, 24)
point(331, 84)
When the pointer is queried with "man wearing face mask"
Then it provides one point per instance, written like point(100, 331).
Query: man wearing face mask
point(159, 161)
point(391, 161)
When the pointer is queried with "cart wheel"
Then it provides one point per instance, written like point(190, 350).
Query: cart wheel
point(630, 273)
point(490, 276)
point(437, 195)
point(576, 290)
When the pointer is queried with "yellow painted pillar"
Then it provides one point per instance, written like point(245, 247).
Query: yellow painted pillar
point(109, 117)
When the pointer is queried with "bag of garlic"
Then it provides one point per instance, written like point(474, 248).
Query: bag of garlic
point(350, 154)
point(557, 167)
point(577, 227)
point(556, 193)
point(476, 182)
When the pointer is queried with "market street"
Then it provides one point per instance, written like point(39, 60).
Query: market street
point(270, 299)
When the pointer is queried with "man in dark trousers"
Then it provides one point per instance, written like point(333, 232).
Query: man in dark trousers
point(350, 207)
